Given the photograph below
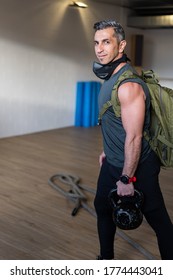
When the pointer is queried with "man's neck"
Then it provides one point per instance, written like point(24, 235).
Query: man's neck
point(119, 67)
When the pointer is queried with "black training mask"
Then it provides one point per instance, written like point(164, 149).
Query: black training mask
point(104, 71)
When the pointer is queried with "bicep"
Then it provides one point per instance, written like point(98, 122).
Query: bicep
point(132, 100)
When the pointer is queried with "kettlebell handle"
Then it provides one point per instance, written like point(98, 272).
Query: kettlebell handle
point(115, 199)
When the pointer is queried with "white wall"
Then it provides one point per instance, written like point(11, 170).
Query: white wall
point(158, 46)
point(45, 48)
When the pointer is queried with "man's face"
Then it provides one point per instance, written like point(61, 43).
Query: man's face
point(107, 48)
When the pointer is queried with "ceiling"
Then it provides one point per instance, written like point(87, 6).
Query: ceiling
point(144, 7)
point(146, 14)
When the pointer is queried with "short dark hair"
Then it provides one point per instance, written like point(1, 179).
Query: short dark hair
point(119, 31)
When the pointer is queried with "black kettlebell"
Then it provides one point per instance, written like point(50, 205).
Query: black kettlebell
point(127, 213)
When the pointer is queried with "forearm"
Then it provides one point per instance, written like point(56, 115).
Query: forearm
point(132, 151)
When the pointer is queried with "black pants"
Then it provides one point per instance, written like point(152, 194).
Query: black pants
point(153, 209)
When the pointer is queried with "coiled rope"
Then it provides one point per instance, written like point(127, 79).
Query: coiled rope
point(76, 195)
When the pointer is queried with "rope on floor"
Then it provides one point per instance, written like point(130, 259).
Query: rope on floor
point(76, 194)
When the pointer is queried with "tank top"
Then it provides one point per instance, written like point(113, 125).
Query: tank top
point(111, 126)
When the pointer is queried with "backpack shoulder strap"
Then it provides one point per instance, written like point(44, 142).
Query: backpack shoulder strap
point(114, 96)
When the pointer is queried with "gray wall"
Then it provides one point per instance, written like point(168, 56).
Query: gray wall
point(45, 48)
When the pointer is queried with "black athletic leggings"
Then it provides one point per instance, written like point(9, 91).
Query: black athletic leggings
point(153, 209)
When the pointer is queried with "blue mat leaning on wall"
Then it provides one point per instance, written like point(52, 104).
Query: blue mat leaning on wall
point(86, 113)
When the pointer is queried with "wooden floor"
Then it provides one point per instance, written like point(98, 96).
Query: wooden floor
point(36, 220)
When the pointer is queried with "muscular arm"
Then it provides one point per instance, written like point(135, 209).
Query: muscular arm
point(132, 100)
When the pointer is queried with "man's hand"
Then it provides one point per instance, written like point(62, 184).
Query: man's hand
point(101, 158)
point(123, 189)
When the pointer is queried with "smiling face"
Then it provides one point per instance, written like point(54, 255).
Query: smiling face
point(107, 46)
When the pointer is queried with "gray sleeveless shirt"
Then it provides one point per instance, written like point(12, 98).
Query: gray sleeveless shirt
point(112, 128)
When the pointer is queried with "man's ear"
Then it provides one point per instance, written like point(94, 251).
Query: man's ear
point(122, 46)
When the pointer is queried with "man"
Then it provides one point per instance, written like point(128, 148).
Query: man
point(127, 156)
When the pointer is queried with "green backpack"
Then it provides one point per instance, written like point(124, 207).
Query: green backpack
point(160, 136)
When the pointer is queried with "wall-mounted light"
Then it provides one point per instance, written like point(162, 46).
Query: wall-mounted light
point(78, 5)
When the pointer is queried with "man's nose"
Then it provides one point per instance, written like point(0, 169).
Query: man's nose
point(99, 48)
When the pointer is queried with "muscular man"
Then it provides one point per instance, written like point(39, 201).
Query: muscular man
point(126, 152)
